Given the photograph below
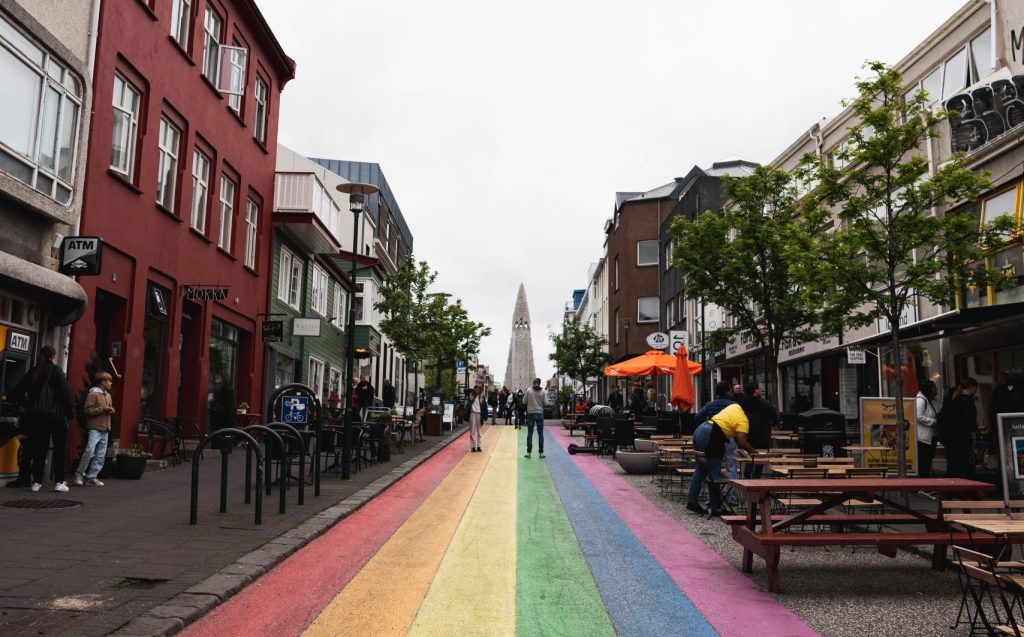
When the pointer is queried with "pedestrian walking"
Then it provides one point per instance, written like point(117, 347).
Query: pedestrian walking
point(926, 420)
point(519, 405)
point(710, 438)
point(48, 403)
point(615, 399)
point(364, 396)
point(475, 411)
point(492, 404)
point(959, 427)
point(534, 406)
point(636, 401)
point(99, 408)
point(387, 393)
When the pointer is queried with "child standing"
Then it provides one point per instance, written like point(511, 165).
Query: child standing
point(98, 409)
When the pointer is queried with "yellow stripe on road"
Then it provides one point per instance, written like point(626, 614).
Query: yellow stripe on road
point(474, 590)
point(383, 598)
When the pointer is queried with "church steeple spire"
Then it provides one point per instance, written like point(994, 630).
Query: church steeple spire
point(520, 372)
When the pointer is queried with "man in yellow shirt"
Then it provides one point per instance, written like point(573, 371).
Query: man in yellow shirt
point(710, 438)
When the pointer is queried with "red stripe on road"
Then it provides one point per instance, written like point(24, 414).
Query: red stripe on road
point(290, 596)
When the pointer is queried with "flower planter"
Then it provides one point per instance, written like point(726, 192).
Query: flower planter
point(130, 467)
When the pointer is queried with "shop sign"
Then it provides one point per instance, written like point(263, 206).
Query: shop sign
point(676, 338)
point(81, 256)
point(1011, 455)
point(306, 327)
point(273, 331)
point(856, 356)
point(205, 293)
point(657, 340)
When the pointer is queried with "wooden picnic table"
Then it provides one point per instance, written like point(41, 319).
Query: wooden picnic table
point(760, 533)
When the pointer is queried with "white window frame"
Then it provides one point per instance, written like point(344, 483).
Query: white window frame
point(333, 382)
point(314, 363)
point(212, 21)
point(126, 103)
point(227, 212)
point(640, 264)
point(167, 166)
point(357, 300)
point(289, 285)
point(201, 164)
point(339, 306)
point(181, 21)
point(252, 220)
point(237, 58)
point(657, 309)
point(53, 119)
point(319, 290)
point(261, 94)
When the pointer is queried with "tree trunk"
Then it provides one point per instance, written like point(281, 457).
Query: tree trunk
point(901, 433)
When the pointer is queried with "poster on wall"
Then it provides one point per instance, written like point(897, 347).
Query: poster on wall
point(1011, 455)
point(878, 429)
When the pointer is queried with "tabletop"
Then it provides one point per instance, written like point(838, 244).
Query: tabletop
point(862, 484)
point(863, 448)
point(831, 471)
point(993, 527)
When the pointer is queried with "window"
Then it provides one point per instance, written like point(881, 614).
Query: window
point(981, 55)
point(167, 172)
point(954, 74)
point(236, 77)
point(227, 212)
point(126, 127)
point(617, 326)
point(1002, 205)
point(316, 375)
point(357, 301)
point(669, 248)
point(966, 67)
point(616, 273)
point(334, 389)
point(252, 219)
point(647, 309)
point(647, 252)
point(181, 21)
point(259, 129)
point(289, 278)
point(212, 25)
point(319, 290)
point(200, 189)
point(39, 116)
point(339, 306)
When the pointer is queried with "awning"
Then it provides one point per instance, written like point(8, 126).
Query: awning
point(946, 323)
point(58, 295)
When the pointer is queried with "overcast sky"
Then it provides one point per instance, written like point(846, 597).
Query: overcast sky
point(505, 129)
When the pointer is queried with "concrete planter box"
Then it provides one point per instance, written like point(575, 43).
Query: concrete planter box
point(636, 461)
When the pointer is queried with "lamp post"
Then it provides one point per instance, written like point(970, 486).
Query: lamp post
point(356, 200)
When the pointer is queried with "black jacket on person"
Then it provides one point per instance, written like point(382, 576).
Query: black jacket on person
point(961, 422)
point(637, 402)
point(763, 419)
point(364, 393)
point(30, 387)
point(615, 401)
point(388, 395)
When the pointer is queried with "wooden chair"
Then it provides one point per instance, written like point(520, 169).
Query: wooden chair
point(993, 594)
point(865, 472)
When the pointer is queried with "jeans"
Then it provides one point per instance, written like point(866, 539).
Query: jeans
point(94, 454)
point(730, 458)
point(534, 420)
point(711, 466)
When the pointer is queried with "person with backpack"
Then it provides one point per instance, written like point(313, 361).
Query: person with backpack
point(927, 415)
point(48, 402)
point(959, 425)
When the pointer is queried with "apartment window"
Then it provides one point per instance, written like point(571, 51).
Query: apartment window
point(616, 273)
point(40, 110)
point(969, 65)
point(227, 212)
point(181, 21)
point(235, 76)
point(1003, 204)
point(200, 189)
point(260, 94)
point(126, 127)
point(316, 374)
point(357, 300)
point(167, 172)
point(289, 278)
point(669, 247)
point(212, 25)
point(981, 55)
point(252, 219)
point(319, 290)
point(647, 309)
point(339, 306)
point(617, 326)
point(647, 252)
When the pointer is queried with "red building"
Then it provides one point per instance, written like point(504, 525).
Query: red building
point(179, 184)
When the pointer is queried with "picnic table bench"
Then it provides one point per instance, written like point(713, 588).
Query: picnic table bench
point(761, 533)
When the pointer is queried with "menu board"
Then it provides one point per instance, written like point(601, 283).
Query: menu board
point(1011, 455)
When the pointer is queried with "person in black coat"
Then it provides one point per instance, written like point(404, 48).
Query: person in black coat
point(637, 401)
point(387, 393)
point(615, 400)
point(48, 402)
point(959, 427)
point(763, 419)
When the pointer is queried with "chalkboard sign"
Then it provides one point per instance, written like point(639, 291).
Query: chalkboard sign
point(273, 331)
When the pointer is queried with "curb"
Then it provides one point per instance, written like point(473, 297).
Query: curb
point(173, 615)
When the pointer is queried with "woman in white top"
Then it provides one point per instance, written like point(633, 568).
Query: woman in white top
point(475, 402)
point(927, 434)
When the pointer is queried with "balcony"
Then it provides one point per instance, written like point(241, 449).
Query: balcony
point(308, 211)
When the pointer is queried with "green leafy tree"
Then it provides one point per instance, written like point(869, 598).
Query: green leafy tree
point(889, 248)
point(743, 259)
point(579, 351)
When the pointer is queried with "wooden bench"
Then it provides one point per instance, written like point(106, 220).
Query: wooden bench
point(842, 519)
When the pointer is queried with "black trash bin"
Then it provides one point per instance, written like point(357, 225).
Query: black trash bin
point(822, 431)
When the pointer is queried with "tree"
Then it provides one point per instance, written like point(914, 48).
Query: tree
point(889, 248)
point(743, 260)
point(579, 351)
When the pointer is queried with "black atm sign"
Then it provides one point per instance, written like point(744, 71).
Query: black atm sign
point(81, 256)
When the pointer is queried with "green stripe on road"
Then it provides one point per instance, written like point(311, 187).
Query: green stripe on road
point(555, 592)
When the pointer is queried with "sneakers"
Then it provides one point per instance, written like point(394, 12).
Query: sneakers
point(93, 482)
point(696, 508)
point(542, 455)
point(479, 449)
point(78, 481)
point(527, 455)
point(36, 487)
point(60, 486)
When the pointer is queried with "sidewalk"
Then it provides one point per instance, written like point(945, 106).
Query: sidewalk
point(127, 561)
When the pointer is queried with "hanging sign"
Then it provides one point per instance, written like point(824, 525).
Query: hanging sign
point(856, 357)
point(273, 331)
point(81, 256)
point(676, 338)
point(657, 340)
point(306, 327)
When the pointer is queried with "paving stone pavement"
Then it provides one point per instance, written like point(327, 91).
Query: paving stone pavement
point(127, 562)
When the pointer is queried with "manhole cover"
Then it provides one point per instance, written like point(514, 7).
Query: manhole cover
point(139, 582)
point(40, 504)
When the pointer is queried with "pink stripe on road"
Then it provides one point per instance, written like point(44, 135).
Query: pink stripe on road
point(712, 584)
point(291, 595)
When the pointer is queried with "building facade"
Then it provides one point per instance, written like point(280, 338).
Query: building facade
point(181, 168)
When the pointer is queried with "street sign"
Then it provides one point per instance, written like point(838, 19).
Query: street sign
point(676, 338)
point(294, 410)
point(856, 357)
point(657, 340)
point(306, 327)
point(81, 256)
point(460, 367)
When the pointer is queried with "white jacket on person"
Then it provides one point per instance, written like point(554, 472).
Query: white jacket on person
point(927, 417)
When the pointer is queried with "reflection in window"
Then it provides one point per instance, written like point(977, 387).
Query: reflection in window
point(647, 309)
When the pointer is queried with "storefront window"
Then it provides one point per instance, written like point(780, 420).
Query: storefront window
point(802, 386)
point(154, 338)
point(223, 373)
point(284, 371)
point(920, 362)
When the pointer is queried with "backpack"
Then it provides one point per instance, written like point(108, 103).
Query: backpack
point(45, 402)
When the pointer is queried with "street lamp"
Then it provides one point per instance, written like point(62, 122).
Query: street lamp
point(356, 200)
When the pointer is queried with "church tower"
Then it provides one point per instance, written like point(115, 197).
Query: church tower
point(520, 372)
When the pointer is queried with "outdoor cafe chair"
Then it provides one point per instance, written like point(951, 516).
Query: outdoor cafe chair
point(995, 596)
point(623, 433)
point(163, 435)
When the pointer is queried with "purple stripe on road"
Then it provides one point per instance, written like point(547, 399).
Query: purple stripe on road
point(712, 584)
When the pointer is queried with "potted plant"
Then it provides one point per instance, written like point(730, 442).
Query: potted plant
point(243, 408)
point(131, 462)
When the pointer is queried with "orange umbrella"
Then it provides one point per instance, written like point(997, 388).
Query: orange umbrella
point(682, 384)
point(651, 363)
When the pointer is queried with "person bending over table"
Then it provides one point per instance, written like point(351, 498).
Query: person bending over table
point(710, 438)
